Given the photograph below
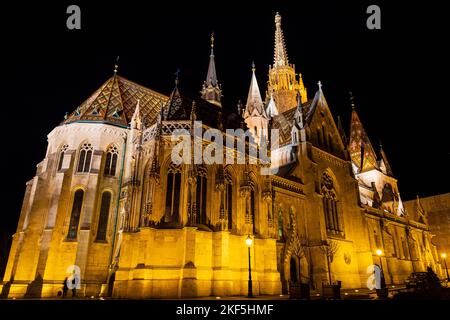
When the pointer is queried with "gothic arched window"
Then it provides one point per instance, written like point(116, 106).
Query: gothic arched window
point(229, 198)
point(84, 160)
point(172, 211)
point(201, 194)
point(61, 156)
point(104, 215)
point(330, 208)
point(75, 215)
point(111, 161)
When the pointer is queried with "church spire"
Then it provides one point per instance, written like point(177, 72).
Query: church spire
point(254, 106)
point(280, 56)
point(361, 150)
point(255, 115)
point(211, 90)
point(284, 83)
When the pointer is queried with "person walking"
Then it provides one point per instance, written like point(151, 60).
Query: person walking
point(65, 288)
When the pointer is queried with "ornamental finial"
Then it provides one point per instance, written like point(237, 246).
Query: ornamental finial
point(277, 19)
point(352, 100)
point(177, 76)
point(116, 65)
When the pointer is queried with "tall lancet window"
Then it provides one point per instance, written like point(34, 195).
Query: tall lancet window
point(104, 215)
point(84, 160)
point(201, 194)
point(329, 201)
point(111, 161)
point(229, 198)
point(75, 215)
point(61, 156)
point(172, 211)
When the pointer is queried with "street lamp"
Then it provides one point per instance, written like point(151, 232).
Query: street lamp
point(379, 253)
point(249, 242)
point(444, 255)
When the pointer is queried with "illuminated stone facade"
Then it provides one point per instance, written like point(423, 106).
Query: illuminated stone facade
point(108, 199)
point(435, 212)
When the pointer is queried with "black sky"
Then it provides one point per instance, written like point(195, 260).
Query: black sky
point(399, 74)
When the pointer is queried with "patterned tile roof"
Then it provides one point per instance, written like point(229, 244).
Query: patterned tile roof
point(114, 102)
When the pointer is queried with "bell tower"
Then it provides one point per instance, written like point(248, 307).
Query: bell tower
point(283, 84)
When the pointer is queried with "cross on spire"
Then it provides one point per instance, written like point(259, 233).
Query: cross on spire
point(116, 65)
point(177, 76)
point(352, 100)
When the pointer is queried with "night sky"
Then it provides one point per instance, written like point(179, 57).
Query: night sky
point(398, 74)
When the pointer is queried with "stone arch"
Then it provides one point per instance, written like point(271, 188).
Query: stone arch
point(294, 251)
point(332, 211)
point(62, 149)
point(330, 173)
point(109, 225)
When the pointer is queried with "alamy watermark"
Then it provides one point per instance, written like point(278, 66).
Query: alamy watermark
point(239, 145)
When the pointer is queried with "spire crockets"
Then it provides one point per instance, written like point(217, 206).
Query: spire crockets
point(255, 115)
point(280, 57)
point(254, 106)
point(211, 90)
point(282, 78)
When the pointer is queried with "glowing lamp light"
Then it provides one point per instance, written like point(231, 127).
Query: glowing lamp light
point(379, 252)
point(444, 255)
point(248, 241)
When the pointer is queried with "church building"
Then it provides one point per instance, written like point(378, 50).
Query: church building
point(110, 207)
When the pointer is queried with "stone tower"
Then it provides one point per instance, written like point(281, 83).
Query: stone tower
point(283, 83)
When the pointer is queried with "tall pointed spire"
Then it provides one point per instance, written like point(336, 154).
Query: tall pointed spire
point(211, 90)
point(254, 106)
point(361, 150)
point(280, 57)
point(255, 115)
point(211, 78)
point(283, 81)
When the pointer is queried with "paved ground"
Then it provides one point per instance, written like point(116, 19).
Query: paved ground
point(346, 294)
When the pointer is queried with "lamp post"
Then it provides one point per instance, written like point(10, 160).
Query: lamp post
point(379, 253)
point(444, 256)
point(249, 242)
